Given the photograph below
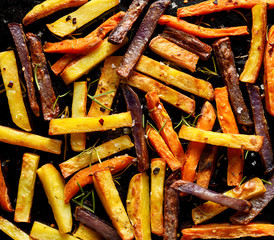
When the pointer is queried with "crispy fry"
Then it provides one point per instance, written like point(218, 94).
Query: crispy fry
point(61, 63)
point(4, 197)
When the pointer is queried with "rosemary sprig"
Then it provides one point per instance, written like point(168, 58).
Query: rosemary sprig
point(162, 127)
point(242, 181)
point(60, 96)
point(35, 76)
point(94, 81)
point(246, 153)
point(98, 102)
point(243, 16)
point(150, 124)
point(267, 182)
point(195, 119)
point(182, 120)
point(207, 71)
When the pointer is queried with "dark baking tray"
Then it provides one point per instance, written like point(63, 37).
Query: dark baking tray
point(11, 156)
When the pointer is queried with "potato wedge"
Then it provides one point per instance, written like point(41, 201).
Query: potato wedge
point(81, 16)
point(11, 81)
point(84, 64)
point(165, 93)
point(112, 203)
point(138, 206)
point(90, 156)
point(78, 109)
point(41, 231)
point(158, 170)
point(4, 197)
point(89, 124)
point(24, 139)
point(175, 78)
point(208, 210)
point(109, 82)
point(174, 53)
point(86, 233)
point(54, 184)
point(26, 187)
point(241, 141)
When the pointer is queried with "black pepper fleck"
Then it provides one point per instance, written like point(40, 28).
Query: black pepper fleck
point(10, 85)
point(74, 21)
point(68, 18)
point(156, 170)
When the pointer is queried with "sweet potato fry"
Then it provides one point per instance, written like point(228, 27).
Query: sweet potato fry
point(268, 73)
point(228, 124)
point(162, 120)
point(4, 197)
point(86, 13)
point(61, 63)
point(194, 149)
point(83, 45)
point(212, 6)
point(256, 52)
point(84, 176)
point(201, 31)
point(174, 53)
point(228, 231)
point(49, 7)
point(162, 149)
point(165, 93)
point(174, 77)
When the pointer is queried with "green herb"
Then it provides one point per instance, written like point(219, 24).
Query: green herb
point(89, 85)
point(246, 153)
point(236, 11)
point(162, 127)
point(60, 96)
point(199, 208)
point(99, 159)
point(182, 120)
point(207, 71)
point(267, 182)
point(143, 122)
point(242, 181)
point(195, 119)
point(150, 124)
point(35, 76)
point(98, 102)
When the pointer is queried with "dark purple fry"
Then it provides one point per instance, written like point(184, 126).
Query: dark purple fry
point(209, 195)
point(258, 204)
point(19, 39)
point(119, 33)
point(261, 127)
point(188, 42)
point(134, 106)
point(98, 225)
point(171, 208)
point(140, 40)
point(226, 64)
point(39, 64)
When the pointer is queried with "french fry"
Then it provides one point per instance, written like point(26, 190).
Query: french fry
point(83, 64)
point(208, 210)
point(112, 203)
point(81, 16)
point(256, 52)
point(86, 233)
point(54, 184)
point(40, 231)
point(89, 124)
point(48, 7)
point(163, 122)
point(241, 141)
point(78, 109)
point(91, 155)
point(26, 187)
point(11, 230)
point(109, 82)
point(11, 81)
point(61, 63)
point(165, 93)
point(138, 206)
point(194, 149)
point(4, 197)
point(228, 231)
point(228, 124)
point(158, 169)
point(174, 77)
point(29, 140)
point(174, 53)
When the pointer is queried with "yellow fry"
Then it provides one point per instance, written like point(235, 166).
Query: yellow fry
point(86, 233)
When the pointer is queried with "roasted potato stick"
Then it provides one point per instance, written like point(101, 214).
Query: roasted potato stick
point(241, 141)
point(158, 170)
point(78, 109)
point(83, 64)
point(255, 56)
point(109, 82)
point(165, 93)
point(174, 53)
point(20, 138)
point(112, 203)
point(86, 233)
point(174, 77)
point(227, 231)
point(91, 155)
point(4, 197)
point(11, 81)
point(138, 206)
point(54, 184)
point(208, 210)
point(11, 230)
point(61, 63)
point(81, 16)
point(48, 7)
point(89, 124)
point(26, 187)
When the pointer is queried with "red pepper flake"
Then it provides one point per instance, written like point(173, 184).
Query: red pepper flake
point(10, 85)
point(74, 21)
point(68, 18)
point(101, 121)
